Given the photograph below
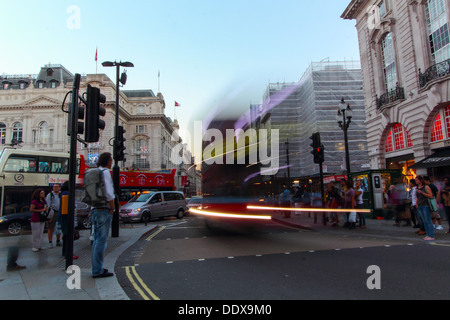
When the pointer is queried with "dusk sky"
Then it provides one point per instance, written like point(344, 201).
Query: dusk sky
point(210, 54)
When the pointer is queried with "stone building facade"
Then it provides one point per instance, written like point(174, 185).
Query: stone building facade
point(31, 113)
point(405, 51)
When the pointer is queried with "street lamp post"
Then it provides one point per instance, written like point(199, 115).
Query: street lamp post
point(116, 168)
point(344, 118)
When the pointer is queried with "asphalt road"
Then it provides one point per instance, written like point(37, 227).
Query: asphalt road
point(185, 260)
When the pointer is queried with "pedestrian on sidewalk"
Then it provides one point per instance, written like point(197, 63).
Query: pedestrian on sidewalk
point(423, 194)
point(38, 207)
point(286, 201)
point(446, 200)
point(54, 203)
point(350, 204)
point(333, 199)
point(360, 203)
point(101, 218)
point(412, 201)
point(435, 216)
point(297, 198)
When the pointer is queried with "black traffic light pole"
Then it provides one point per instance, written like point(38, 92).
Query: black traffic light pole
point(73, 125)
point(116, 168)
point(92, 124)
point(319, 158)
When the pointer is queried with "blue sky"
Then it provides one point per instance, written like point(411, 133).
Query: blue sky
point(209, 53)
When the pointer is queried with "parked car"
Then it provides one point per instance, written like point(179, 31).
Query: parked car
point(15, 223)
point(153, 204)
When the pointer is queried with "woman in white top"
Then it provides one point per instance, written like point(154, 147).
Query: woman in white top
point(360, 204)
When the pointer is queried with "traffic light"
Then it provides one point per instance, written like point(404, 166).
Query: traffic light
point(80, 116)
point(120, 144)
point(318, 148)
point(94, 111)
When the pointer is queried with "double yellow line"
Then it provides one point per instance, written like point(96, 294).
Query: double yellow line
point(139, 284)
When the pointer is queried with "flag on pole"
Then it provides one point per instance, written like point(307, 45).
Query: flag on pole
point(177, 104)
point(96, 60)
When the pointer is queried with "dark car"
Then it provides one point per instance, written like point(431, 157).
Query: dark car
point(15, 223)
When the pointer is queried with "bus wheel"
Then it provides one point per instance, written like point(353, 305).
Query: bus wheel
point(15, 228)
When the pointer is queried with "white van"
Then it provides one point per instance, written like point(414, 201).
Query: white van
point(153, 204)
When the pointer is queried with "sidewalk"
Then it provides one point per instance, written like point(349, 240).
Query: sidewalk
point(45, 277)
point(374, 227)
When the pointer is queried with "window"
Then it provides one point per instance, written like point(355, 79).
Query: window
point(140, 145)
point(140, 129)
point(389, 146)
point(17, 132)
point(44, 133)
point(2, 133)
point(389, 66)
point(6, 85)
point(22, 85)
point(436, 131)
point(438, 33)
point(396, 138)
point(25, 163)
point(382, 7)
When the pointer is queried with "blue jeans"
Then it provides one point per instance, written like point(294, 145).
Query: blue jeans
point(425, 215)
point(101, 223)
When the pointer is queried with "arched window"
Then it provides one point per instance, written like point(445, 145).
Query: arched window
point(44, 133)
point(398, 138)
point(389, 67)
point(2, 133)
point(17, 132)
point(441, 121)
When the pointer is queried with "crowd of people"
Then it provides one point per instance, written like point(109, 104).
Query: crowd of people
point(419, 206)
point(416, 205)
point(51, 210)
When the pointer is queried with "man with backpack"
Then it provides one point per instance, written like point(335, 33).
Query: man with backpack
point(100, 195)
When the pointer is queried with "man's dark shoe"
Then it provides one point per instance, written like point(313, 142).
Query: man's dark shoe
point(105, 274)
point(15, 268)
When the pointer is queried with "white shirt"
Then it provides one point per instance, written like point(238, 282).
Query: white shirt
point(109, 186)
point(360, 197)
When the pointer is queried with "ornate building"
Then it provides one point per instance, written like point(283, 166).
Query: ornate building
point(405, 52)
point(31, 113)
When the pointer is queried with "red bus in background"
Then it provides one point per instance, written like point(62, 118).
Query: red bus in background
point(132, 182)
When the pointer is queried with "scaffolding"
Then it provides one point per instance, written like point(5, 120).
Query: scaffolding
point(312, 107)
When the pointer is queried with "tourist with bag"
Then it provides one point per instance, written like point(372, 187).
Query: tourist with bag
point(54, 203)
point(101, 214)
point(39, 209)
point(423, 194)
